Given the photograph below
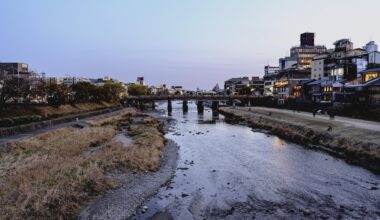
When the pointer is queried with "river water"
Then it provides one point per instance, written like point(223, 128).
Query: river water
point(229, 171)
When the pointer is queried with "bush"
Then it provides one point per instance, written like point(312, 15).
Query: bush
point(6, 122)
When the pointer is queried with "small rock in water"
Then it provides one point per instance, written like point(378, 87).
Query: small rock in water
point(306, 212)
point(184, 195)
point(374, 188)
point(144, 209)
point(213, 171)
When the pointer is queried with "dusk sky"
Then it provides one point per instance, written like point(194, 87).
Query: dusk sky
point(191, 43)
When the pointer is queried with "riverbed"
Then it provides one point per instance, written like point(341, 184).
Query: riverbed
point(229, 171)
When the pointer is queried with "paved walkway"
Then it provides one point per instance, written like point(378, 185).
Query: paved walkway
point(360, 130)
point(66, 124)
point(358, 123)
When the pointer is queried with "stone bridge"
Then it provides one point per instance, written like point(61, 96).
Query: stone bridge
point(214, 100)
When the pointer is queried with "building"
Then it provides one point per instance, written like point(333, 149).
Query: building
point(271, 70)
point(244, 85)
point(268, 87)
point(140, 81)
point(217, 89)
point(177, 90)
point(270, 73)
point(306, 51)
point(14, 70)
point(318, 70)
point(257, 86)
point(286, 81)
point(307, 39)
point(234, 85)
point(53, 81)
point(69, 81)
point(372, 89)
point(287, 63)
point(369, 74)
point(302, 56)
point(373, 53)
point(344, 61)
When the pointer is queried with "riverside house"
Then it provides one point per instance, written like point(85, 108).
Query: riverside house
point(286, 82)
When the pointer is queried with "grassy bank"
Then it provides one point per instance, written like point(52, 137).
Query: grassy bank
point(53, 175)
point(21, 114)
point(358, 146)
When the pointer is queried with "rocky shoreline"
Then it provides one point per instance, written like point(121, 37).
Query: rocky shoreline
point(135, 187)
point(356, 152)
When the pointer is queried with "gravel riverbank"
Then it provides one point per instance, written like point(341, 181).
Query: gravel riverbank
point(356, 142)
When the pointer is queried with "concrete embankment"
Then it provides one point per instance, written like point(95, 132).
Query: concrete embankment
point(356, 142)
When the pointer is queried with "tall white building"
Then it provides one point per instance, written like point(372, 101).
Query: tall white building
point(373, 55)
point(318, 66)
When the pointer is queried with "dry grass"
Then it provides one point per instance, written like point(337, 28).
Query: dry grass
point(120, 117)
point(64, 109)
point(53, 175)
point(146, 151)
point(50, 111)
point(143, 154)
point(46, 175)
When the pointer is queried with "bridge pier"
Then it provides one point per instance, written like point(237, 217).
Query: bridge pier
point(185, 106)
point(215, 105)
point(215, 114)
point(170, 105)
point(153, 105)
point(200, 107)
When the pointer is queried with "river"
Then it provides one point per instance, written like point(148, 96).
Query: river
point(229, 171)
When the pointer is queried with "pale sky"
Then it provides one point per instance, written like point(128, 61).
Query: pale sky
point(193, 43)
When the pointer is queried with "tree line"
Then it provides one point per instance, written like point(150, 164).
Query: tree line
point(16, 90)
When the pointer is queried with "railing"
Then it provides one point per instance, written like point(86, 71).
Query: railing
point(194, 97)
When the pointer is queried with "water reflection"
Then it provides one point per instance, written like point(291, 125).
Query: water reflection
point(230, 167)
point(278, 143)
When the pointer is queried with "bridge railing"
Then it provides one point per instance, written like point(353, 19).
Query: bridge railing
point(185, 97)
